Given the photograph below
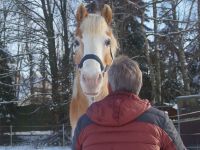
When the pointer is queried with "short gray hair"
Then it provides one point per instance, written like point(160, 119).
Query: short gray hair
point(125, 75)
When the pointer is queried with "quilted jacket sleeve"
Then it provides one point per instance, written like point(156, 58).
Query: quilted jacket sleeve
point(75, 141)
point(171, 138)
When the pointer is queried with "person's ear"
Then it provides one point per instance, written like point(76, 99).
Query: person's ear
point(109, 88)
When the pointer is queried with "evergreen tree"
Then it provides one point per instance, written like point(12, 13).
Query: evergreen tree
point(6, 88)
point(193, 56)
point(172, 51)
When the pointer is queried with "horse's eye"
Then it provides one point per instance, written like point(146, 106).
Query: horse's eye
point(107, 42)
point(76, 43)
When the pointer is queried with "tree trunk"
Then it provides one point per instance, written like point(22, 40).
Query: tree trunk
point(198, 53)
point(44, 76)
point(157, 57)
point(48, 14)
point(180, 53)
point(66, 65)
point(146, 52)
point(31, 72)
point(29, 52)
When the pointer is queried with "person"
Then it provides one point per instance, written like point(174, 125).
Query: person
point(123, 121)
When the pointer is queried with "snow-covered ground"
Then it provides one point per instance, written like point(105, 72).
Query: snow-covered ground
point(33, 148)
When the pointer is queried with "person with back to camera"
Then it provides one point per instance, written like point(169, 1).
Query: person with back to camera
point(123, 121)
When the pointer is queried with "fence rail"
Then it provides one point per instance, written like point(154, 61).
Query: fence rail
point(50, 135)
point(56, 135)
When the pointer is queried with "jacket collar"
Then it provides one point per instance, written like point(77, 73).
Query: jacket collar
point(117, 109)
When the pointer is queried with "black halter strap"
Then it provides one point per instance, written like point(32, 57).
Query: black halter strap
point(111, 54)
point(91, 56)
point(95, 57)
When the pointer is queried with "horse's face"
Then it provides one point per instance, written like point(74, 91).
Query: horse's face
point(94, 47)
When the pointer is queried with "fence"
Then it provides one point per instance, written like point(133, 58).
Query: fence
point(58, 135)
point(49, 135)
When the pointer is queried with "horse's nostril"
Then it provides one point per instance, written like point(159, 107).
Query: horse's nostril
point(99, 77)
point(84, 78)
point(92, 80)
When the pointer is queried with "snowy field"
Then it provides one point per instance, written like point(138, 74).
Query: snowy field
point(33, 148)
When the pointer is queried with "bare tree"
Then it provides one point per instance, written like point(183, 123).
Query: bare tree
point(148, 58)
point(157, 57)
point(66, 67)
point(180, 50)
point(198, 4)
point(48, 10)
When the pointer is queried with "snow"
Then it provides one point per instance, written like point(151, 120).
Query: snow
point(33, 148)
point(196, 80)
point(31, 133)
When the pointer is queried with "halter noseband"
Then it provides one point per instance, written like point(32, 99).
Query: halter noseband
point(91, 56)
point(95, 57)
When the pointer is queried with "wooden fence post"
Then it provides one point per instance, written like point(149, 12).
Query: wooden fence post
point(11, 138)
point(63, 129)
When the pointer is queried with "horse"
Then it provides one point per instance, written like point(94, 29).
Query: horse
point(94, 49)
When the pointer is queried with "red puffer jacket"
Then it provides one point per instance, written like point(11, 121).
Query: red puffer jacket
point(122, 121)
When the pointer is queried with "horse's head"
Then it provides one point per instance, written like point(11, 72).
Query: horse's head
point(94, 48)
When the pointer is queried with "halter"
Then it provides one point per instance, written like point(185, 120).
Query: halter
point(95, 57)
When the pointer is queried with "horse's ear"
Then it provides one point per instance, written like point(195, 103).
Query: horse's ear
point(81, 14)
point(107, 13)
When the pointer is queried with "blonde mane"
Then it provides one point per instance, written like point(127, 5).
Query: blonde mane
point(94, 24)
